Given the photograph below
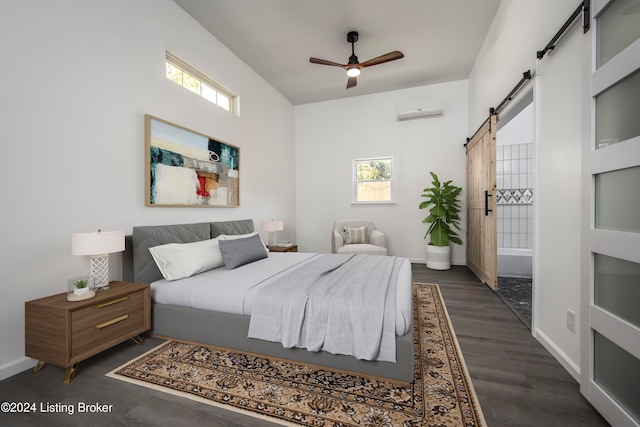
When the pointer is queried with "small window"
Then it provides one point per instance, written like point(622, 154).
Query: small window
point(373, 180)
point(179, 72)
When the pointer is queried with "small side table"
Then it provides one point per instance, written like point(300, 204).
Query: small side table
point(292, 248)
point(64, 333)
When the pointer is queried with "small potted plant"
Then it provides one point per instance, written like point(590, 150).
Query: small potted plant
point(444, 217)
point(80, 289)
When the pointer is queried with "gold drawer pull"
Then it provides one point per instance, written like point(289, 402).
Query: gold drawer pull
point(113, 301)
point(112, 321)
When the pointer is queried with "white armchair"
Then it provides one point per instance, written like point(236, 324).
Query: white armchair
point(357, 237)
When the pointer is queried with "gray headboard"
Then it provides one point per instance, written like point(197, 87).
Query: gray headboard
point(138, 264)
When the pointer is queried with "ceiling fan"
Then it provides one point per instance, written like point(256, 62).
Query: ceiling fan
point(353, 67)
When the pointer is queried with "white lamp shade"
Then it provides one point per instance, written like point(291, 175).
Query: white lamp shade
point(272, 226)
point(96, 243)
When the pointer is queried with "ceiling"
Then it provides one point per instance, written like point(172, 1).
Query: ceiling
point(440, 40)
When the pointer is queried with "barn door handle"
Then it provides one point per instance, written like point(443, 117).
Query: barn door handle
point(486, 203)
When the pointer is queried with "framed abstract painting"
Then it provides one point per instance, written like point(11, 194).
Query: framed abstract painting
point(187, 168)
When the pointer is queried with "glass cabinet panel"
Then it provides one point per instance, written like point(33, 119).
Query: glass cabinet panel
point(618, 27)
point(617, 372)
point(617, 112)
point(617, 200)
point(617, 287)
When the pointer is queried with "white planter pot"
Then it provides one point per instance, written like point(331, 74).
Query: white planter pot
point(438, 257)
point(80, 291)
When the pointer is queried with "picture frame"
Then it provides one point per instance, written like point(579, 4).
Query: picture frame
point(189, 169)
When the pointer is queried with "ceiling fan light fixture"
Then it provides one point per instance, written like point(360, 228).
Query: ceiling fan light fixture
point(353, 67)
point(353, 72)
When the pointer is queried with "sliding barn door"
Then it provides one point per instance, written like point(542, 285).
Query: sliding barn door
point(482, 249)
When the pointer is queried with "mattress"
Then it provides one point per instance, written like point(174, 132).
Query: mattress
point(234, 291)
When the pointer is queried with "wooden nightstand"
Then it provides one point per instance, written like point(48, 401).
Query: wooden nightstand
point(292, 248)
point(64, 333)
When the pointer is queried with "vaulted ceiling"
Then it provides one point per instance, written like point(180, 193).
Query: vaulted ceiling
point(440, 40)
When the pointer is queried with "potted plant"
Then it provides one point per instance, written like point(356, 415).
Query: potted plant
point(80, 286)
point(80, 289)
point(444, 217)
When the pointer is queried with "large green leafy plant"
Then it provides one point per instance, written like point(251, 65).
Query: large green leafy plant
point(444, 214)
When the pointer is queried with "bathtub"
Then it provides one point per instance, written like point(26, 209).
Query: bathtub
point(514, 262)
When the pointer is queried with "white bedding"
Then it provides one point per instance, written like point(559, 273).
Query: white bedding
point(234, 291)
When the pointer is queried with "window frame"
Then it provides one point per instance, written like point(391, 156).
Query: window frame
point(391, 180)
point(202, 79)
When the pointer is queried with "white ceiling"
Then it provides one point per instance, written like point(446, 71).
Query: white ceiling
point(439, 38)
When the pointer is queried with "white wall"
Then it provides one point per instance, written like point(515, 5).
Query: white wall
point(518, 31)
point(559, 242)
point(76, 81)
point(330, 135)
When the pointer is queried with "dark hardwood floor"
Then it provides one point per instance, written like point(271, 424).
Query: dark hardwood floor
point(517, 381)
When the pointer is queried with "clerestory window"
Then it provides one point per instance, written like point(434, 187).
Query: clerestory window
point(180, 72)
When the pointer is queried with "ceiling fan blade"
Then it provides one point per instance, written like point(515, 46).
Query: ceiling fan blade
point(352, 82)
point(391, 56)
point(325, 62)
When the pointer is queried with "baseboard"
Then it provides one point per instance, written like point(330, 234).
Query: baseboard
point(424, 261)
point(559, 355)
point(15, 367)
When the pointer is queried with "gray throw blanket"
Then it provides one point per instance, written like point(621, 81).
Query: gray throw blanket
point(342, 304)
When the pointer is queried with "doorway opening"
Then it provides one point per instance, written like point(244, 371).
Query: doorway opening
point(514, 203)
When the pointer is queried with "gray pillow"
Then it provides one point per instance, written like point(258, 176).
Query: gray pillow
point(239, 252)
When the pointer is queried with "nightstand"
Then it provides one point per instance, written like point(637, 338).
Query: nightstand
point(292, 248)
point(64, 333)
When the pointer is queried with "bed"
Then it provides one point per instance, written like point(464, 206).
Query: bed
point(186, 310)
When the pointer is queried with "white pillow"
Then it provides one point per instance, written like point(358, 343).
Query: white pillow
point(240, 236)
point(180, 260)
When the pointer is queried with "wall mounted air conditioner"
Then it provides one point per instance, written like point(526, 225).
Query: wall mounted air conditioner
point(420, 109)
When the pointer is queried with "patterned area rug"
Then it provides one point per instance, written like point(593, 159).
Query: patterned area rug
point(290, 393)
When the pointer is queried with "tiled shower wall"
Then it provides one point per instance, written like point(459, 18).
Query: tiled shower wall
point(514, 198)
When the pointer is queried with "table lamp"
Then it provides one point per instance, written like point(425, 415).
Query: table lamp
point(272, 227)
point(98, 245)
